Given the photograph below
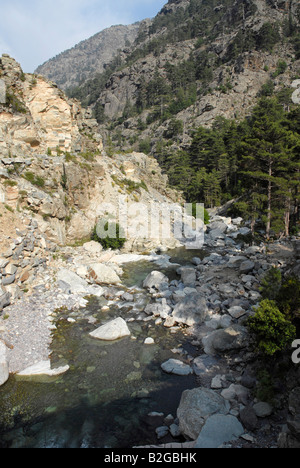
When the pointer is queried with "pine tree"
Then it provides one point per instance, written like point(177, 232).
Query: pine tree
point(266, 153)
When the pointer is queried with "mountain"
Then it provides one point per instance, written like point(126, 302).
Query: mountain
point(191, 91)
point(195, 61)
point(89, 57)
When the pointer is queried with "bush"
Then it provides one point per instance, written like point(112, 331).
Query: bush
point(206, 213)
point(285, 292)
point(288, 297)
point(271, 284)
point(35, 180)
point(115, 242)
point(270, 328)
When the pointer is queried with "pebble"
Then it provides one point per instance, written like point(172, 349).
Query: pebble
point(149, 341)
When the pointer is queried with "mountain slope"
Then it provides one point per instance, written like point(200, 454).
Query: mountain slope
point(89, 57)
point(194, 61)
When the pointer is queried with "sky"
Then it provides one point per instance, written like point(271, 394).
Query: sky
point(33, 31)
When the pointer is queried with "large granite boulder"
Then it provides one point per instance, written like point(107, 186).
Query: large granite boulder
point(154, 280)
point(196, 406)
point(112, 330)
point(219, 429)
point(228, 339)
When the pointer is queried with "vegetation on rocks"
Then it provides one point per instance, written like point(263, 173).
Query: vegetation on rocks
point(273, 332)
point(114, 238)
point(274, 325)
point(256, 161)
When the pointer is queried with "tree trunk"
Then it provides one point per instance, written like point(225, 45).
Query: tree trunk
point(287, 214)
point(268, 227)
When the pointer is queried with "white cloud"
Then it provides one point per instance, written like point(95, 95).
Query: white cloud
point(34, 31)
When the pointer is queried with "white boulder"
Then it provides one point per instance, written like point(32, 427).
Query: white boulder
point(4, 372)
point(103, 274)
point(112, 331)
point(43, 368)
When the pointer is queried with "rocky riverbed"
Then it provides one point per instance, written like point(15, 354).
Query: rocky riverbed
point(207, 295)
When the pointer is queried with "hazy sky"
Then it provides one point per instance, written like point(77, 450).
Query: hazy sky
point(33, 31)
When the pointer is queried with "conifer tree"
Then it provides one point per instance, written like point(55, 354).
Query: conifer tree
point(266, 153)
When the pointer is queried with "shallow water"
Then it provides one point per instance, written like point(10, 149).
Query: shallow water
point(105, 397)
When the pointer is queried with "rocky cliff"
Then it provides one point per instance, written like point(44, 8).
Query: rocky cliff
point(37, 117)
point(57, 181)
point(53, 165)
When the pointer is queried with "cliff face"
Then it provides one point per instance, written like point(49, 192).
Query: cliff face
point(53, 167)
point(37, 117)
point(235, 79)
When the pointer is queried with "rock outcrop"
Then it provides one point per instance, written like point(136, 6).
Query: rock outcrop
point(37, 118)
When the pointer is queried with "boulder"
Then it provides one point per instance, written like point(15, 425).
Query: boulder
point(227, 290)
point(228, 339)
point(236, 312)
point(204, 364)
point(93, 247)
point(103, 274)
point(263, 409)
point(218, 225)
point(154, 280)
point(43, 368)
point(196, 261)
point(112, 330)
point(174, 366)
point(218, 429)
point(191, 310)
point(236, 392)
point(196, 406)
point(5, 298)
point(149, 341)
point(244, 231)
point(188, 275)
point(294, 401)
point(249, 418)
point(246, 267)
point(158, 309)
point(4, 371)
point(75, 283)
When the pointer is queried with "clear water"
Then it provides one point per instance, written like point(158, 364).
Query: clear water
point(106, 396)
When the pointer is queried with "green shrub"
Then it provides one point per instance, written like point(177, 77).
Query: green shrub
point(115, 242)
point(13, 101)
point(281, 68)
point(285, 292)
point(288, 297)
point(265, 387)
point(270, 328)
point(271, 284)
point(35, 180)
point(206, 213)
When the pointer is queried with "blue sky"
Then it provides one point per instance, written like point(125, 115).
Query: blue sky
point(33, 31)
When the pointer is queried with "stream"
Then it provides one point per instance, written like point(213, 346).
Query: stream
point(104, 400)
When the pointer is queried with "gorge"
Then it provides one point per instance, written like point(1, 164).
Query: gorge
point(142, 340)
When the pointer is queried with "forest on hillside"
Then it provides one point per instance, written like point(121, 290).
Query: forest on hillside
point(256, 162)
